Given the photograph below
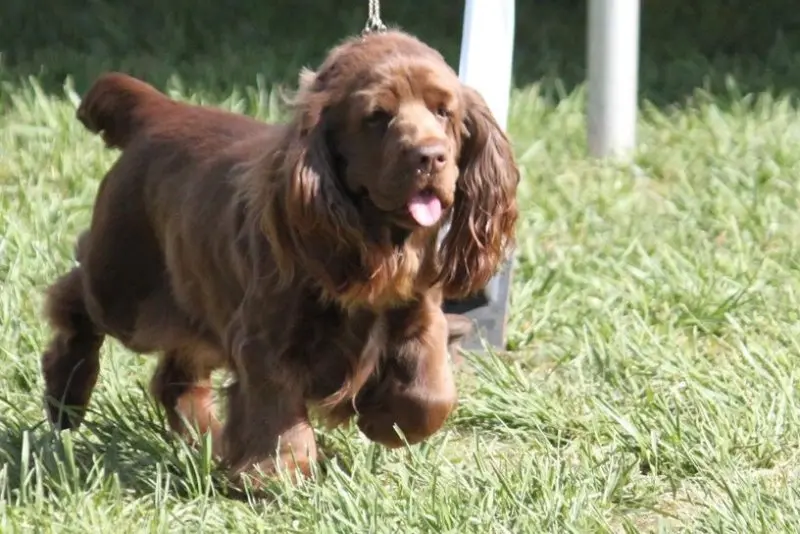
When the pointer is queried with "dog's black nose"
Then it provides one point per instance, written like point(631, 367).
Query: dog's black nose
point(430, 158)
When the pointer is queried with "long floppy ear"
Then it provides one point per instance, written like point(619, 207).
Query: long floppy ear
point(482, 229)
point(309, 220)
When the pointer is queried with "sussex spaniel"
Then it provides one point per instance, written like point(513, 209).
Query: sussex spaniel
point(302, 257)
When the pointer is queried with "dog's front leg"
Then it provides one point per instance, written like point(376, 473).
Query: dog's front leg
point(267, 428)
point(415, 389)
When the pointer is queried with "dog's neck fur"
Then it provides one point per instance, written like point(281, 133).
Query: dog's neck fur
point(392, 270)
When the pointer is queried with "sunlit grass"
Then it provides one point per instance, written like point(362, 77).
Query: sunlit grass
point(651, 380)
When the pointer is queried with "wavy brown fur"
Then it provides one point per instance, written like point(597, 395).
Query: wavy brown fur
point(286, 253)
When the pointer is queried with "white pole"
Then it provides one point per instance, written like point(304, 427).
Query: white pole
point(487, 49)
point(613, 57)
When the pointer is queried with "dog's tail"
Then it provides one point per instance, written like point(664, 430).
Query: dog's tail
point(117, 105)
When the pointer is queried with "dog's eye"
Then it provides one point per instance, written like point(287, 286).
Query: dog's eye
point(442, 112)
point(379, 118)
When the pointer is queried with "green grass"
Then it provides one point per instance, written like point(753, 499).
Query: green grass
point(651, 382)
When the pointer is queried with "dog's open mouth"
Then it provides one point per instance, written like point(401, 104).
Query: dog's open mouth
point(425, 208)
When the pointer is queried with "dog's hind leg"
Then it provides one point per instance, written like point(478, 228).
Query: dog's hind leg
point(71, 362)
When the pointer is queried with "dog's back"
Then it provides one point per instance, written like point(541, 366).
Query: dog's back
point(122, 108)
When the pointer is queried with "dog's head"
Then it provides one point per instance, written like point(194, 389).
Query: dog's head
point(385, 137)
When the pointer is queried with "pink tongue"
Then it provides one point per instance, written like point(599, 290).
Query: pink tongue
point(425, 208)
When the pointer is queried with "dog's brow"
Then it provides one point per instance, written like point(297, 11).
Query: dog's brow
point(435, 95)
point(385, 99)
point(430, 85)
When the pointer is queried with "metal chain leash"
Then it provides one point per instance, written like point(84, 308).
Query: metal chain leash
point(374, 22)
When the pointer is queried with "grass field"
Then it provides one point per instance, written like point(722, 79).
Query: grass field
point(651, 382)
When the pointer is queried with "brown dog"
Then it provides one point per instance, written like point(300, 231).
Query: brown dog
point(302, 257)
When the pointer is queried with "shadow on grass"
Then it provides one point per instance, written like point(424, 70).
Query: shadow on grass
point(125, 443)
point(212, 47)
